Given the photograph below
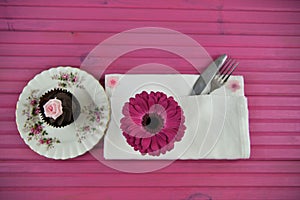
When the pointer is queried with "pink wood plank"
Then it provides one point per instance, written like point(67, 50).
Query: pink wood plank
point(275, 114)
point(204, 166)
point(118, 26)
point(38, 62)
point(9, 102)
point(8, 37)
point(155, 180)
point(123, 64)
point(12, 12)
point(80, 50)
point(260, 152)
point(8, 127)
point(283, 90)
point(7, 114)
point(274, 101)
point(23, 12)
point(94, 193)
point(274, 5)
point(276, 140)
point(275, 127)
point(279, 153)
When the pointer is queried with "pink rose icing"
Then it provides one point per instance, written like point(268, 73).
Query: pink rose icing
point(53, 108)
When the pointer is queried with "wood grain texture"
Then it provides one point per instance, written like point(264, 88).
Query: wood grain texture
point(217, 28)
point(263, 35)
point(257, 5)
point(94, 38)
point(196, 192)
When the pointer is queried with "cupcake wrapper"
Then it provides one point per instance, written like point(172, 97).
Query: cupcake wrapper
point(71, 107)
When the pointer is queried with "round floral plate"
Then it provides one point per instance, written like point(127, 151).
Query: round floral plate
point(76, 138)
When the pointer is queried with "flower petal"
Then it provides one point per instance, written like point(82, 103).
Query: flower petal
point(179, 135)
point(133, 101)
point(133, 109)
point(161, 142)
point(162, 136)
point(151, 101)
point(162, 101)
point(142, 133)
point(170, 146)
point(145, 95)
point(146, 142)
point(172, 113)
point(126, 121)
point(133, 130)
point(154, 144)
point(169, 135)
point(172, 124)
point(156, 96)
point(137, 141)
point(142, 102)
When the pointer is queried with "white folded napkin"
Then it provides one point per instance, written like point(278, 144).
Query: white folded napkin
point(217, 125)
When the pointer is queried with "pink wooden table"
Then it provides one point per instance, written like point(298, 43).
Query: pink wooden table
point(263, 35)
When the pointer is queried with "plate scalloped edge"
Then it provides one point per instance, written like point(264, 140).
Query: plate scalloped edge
point(92, 132)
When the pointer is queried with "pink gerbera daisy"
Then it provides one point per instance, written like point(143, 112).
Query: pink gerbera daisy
point(152, 123)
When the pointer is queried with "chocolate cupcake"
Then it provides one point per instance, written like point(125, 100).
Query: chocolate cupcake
point(59, 108)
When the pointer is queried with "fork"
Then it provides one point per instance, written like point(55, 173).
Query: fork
point(223, 74)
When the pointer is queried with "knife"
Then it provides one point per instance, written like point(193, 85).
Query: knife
point(205, 77)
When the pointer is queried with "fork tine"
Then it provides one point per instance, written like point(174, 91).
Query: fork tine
point(228, 67)
point(223, 74)
point(230, 71)
point(223, 69)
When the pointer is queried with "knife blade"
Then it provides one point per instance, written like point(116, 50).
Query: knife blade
point(205, 77)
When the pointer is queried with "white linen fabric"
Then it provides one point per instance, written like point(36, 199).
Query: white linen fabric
point(217, 125)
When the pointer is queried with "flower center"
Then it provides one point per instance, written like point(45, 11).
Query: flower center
point(152, 122)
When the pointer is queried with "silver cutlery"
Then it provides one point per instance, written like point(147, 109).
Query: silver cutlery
point(205, 78)
point(223, 74)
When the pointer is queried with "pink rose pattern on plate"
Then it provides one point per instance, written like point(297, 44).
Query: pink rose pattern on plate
point(53, 108)
point(33, 125)
point(68, 79)
point(152, 123)
point(94, 116)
